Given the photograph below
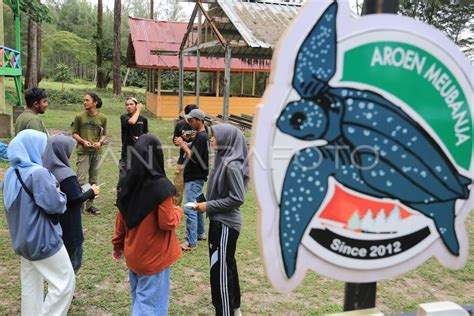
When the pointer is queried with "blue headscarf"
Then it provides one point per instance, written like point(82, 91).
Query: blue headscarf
point(24, 153)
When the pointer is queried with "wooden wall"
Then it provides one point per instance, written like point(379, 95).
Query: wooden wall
point(167, 106)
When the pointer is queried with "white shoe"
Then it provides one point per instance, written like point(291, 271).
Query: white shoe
point(237, 312)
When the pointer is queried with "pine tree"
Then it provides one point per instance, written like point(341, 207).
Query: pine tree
point(354, 221)
point(367, 223)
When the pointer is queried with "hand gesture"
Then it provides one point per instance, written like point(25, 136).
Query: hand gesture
point(178, 141)
point(118, 255)
point(97, 145)
point(96, 189)
point(200, 207)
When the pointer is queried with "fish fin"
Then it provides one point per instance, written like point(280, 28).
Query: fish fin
point(443, 215)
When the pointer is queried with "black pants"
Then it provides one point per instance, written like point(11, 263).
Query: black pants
point(225, 288)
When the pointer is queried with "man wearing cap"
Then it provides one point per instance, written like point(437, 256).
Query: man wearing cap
point(133, 126)
point(195, 174)
point(36, 103)
point(182, 129)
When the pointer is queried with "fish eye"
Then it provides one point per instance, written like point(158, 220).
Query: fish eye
point(297, 120)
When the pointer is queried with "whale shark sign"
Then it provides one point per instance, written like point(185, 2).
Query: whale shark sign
point(363, 148)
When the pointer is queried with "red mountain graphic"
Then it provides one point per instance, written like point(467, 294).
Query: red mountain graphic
point(343, 205)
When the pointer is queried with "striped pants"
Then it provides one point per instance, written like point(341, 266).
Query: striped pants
point(225, 288)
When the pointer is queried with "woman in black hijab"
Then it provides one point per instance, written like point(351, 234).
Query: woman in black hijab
point(56, 160)
point(145, 227)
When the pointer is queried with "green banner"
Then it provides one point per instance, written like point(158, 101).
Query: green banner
point(424, 83)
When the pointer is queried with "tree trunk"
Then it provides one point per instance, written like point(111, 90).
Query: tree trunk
point(39, 33)
point(126, 77)
point(101, 84)
point(152, 7)
point(149, 71)
point(31, 76)
point(117, 83)
point(415, 9)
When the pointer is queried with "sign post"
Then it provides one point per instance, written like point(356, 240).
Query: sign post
point(353, 108)
point(364, 295)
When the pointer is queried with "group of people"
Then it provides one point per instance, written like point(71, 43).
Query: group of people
point(44, 196)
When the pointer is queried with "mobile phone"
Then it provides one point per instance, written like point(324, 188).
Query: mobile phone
point(200, 198)
point(86, 187)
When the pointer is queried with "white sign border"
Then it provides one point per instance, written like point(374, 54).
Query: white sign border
point(347, 26)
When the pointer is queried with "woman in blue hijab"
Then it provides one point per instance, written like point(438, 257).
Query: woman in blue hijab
point(32, 205)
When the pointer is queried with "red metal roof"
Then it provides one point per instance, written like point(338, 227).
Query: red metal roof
point(147, 35)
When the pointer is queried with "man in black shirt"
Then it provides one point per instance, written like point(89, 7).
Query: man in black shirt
point(195, 174)
point(133, 126)
point(183, 130)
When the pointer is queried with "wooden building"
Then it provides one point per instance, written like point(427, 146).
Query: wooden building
point(220, 59)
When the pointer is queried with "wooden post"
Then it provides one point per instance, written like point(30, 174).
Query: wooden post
point(242, 83)
point(228, 56)
point(359, 296)
point(159, 82)
point(181, 81)
point(3, 106)
point(218, 79)
point(254, 79)
point(363, 295)
point(198, 60)
point(380, 6)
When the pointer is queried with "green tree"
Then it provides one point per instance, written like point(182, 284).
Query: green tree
point(454, 18)
point(62, 74)
point(117, 84)
point(101, 83)
point(69, 49)
point(36, 14)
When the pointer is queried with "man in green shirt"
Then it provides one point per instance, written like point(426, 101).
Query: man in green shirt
point(88, 130)
point(36, 103)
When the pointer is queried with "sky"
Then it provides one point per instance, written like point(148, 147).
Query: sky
point(110, 4)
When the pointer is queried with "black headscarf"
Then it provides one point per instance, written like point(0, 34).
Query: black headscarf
point(145, 185)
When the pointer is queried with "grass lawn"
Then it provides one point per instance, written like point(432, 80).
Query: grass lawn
point(102, 285)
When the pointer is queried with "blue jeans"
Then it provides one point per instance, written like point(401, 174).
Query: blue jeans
point(150, 293)
point(194, 220)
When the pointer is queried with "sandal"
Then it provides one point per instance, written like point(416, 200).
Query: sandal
point(93, 210)
point(186, 247)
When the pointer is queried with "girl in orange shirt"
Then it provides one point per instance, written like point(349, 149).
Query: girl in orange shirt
point(145, 227)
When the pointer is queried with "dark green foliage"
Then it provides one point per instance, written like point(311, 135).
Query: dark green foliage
point(33, 8)
point(170, 80)
point(62, 74)
point(58, 98)
point(451, 17)
point(136, 77)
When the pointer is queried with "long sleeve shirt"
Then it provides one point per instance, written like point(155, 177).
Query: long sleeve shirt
point(226, 207)
point(153, 245)
point(71, 220)
point(33, 234)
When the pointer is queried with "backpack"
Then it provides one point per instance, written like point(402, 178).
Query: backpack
point(3, 152)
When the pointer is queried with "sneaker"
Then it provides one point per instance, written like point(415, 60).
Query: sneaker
point(186, 247)
point(202, 237)
point(93, 210)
